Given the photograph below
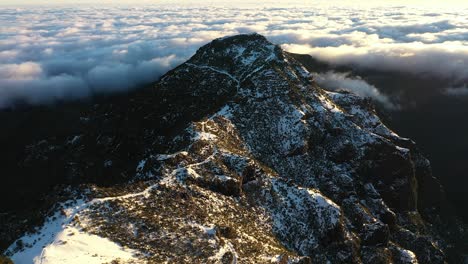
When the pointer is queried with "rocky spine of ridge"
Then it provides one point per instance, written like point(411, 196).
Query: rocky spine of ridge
point(239, 157)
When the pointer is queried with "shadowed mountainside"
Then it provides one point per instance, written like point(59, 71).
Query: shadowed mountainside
point(237, 155)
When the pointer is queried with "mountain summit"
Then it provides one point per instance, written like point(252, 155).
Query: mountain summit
point(238, 156)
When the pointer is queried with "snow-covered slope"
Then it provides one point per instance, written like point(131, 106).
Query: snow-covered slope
point(244, 159)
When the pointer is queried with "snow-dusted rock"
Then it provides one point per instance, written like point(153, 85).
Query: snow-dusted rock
point(244, 159)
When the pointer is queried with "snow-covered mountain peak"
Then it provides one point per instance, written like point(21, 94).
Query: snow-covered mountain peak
point(238, 156)
point(239, 55)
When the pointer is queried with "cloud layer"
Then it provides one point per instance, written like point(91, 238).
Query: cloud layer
point(76, 52)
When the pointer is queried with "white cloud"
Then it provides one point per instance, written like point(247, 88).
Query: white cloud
point(448, 60)
point(457, 91)
point(23, 71)
point(80, 51)
point(342, 81)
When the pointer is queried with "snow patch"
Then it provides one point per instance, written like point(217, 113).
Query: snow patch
point(204, 136)
point(60, 241)
point(225, 249)
point(226, 111)
point(162, 157)
point(407, 256)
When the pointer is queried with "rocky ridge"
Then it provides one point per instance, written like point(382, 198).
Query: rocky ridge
point(239, 156)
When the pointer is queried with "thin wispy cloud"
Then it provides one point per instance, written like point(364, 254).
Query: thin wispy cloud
point(343, 81)
point(457, 91)
point(76, 52)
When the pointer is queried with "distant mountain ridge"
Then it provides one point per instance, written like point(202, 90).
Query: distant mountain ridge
point(237, 155)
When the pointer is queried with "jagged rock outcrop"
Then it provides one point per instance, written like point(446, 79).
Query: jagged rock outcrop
point(243, 158)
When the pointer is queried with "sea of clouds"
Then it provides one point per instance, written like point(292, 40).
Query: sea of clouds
point(52, 53)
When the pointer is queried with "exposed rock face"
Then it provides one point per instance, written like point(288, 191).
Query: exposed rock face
point(245, 159)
